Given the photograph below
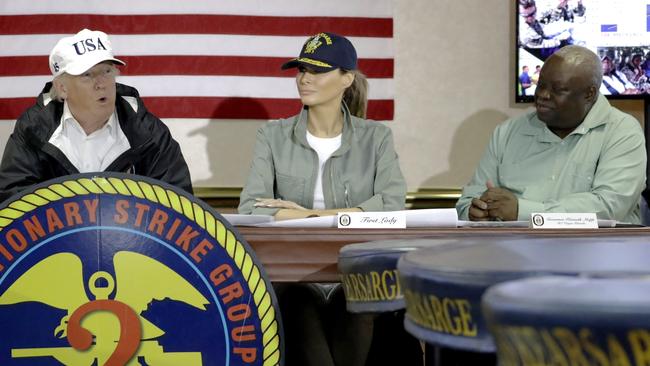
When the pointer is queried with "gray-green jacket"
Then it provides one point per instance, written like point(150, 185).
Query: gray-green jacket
point(364, 172)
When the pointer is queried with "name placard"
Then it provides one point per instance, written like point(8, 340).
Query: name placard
point(563, 220)
point(372, 220)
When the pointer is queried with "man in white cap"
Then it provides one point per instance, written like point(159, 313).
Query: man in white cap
point(83, 121)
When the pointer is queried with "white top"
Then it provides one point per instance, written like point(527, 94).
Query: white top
point(89, 153)
point(324, 147)
point(617, 81)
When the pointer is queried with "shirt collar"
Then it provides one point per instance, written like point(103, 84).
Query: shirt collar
point(597, 114)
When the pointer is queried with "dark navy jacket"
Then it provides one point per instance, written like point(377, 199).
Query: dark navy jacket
point(30, 159)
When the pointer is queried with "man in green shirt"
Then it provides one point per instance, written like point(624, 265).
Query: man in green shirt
point(575, 153)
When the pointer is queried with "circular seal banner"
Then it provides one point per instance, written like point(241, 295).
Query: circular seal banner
point(369, 273)
point(119, 269)
point(443, 286)
point(570, 320)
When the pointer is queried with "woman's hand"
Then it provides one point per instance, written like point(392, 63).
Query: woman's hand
point(277, 203)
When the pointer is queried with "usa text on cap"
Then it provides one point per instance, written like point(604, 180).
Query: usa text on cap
point(76, 54)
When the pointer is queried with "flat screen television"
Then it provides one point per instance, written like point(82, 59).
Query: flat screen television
point(618, 31)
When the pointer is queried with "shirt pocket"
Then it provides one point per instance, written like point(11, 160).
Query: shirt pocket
point(581, 176)
point(516, 178)
point(353, 187)
point(289, 188)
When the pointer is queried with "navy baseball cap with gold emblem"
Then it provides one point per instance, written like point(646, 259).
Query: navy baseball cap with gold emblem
point(325, 52)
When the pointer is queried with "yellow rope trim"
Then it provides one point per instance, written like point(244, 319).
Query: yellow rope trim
point(313, 62)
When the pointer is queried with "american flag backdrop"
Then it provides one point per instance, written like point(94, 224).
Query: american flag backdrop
point(198, 58)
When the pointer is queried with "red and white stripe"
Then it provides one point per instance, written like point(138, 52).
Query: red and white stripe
point(198, 59)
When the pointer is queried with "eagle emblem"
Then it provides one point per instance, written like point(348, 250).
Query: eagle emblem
point(99, 329)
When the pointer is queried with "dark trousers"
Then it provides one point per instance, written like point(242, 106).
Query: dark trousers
point(318, 330)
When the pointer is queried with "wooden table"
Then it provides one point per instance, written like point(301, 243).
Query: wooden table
point(311, 255)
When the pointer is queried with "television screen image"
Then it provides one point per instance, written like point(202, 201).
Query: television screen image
point(617, 31)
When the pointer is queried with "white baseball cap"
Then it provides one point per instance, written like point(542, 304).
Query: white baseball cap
point(76, 54)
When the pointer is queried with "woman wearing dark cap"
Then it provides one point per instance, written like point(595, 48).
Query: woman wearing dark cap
point(326, 159)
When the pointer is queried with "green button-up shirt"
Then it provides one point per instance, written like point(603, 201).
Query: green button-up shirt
point(599, 167)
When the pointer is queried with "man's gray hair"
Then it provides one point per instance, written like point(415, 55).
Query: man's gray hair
point(585, 60)
point(54, 93)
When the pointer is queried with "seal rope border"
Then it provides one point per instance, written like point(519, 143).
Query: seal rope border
point(181, 204)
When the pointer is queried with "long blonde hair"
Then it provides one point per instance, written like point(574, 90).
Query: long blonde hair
point(356, 95)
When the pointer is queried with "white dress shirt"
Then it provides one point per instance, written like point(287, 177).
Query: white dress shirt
point(89, 153)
